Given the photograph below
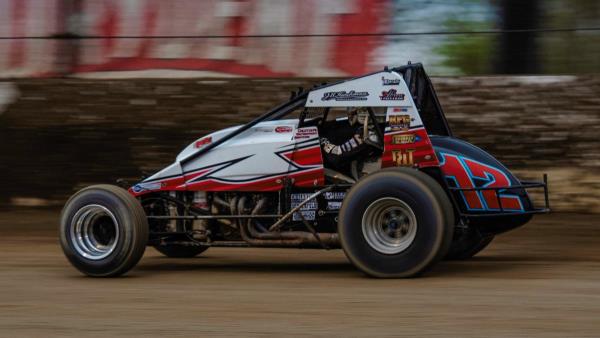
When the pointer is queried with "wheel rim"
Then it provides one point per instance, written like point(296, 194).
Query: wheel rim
point(94, 232)
point(389, 225)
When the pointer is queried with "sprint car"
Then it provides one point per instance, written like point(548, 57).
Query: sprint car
point(410, 196)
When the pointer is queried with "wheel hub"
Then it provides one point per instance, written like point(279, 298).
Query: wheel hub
point(94, 232)
point(389, 225)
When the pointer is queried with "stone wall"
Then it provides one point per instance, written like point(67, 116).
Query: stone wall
point(57, 135)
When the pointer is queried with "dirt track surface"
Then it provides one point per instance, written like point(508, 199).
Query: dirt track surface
point(541, 280)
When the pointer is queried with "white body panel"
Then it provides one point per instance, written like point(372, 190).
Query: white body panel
point(258, 147)
point(383, 89)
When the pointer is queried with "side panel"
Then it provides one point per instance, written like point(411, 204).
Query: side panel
point(466, 166)
point(259, 159)
point(406, 142)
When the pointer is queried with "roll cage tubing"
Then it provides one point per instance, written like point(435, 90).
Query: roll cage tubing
point(299, 99)
point(412, 71)
point(438, 106)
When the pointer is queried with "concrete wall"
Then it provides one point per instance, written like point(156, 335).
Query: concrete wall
point(57, 135)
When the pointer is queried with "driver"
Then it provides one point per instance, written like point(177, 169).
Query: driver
point(337, 155)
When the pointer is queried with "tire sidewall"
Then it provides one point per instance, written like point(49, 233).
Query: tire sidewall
point(425, 247)
point(125, 245)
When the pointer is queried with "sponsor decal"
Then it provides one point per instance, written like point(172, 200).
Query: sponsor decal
point(147, 186)
point(263, 129)
point(390, 95)
point(301, 197)
point(202, 142)
point(405, 139)
point(345, 96)
point(309, 215)
point(400, 122)
point(389, 82)
point(308, 210)
point(305, 133)
point(283, 129)
point(403, 158)
point(400, 110)
point(335, 195)
point(334, 205)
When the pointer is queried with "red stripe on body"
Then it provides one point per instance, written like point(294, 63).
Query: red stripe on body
point(306, 156)
point(421, 152)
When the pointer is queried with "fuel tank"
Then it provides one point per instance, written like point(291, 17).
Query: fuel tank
point(484, 195)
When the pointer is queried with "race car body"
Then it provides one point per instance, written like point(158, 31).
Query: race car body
point(367, 164)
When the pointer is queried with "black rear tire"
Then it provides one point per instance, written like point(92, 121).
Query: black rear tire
point(103, 231)
point(423, 205)
point(467, 245)
point(180, 251)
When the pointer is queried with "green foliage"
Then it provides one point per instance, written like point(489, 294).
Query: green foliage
point(467, 54)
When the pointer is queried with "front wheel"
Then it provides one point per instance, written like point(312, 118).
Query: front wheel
point(103, 231)
point(396, 223)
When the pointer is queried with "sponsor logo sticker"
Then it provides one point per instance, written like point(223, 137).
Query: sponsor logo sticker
point(283, 129)
point(263, 129)
point(305, 133)
point(400, 122)
point(345, 96)
point(389, 82)
point(405, 139)
point(147, 186)
point(202, 142)
point(334, 205)
point(335, 195)
point(403, 158)
point(390, 95)
point(308, 210)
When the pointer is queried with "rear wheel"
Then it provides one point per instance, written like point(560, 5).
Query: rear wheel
point(180, 251)
point(396, 223)
point(103, 231)
point(468, 244)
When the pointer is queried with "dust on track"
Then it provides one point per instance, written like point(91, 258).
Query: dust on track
point(540, 280)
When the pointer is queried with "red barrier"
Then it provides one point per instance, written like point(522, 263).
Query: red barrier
point(232, 54)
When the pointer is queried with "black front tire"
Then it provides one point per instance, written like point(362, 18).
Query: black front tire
point(103, 231)
point(180, 251)
point(424, 201)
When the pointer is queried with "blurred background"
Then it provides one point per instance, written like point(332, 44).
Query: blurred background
point(94, 90)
